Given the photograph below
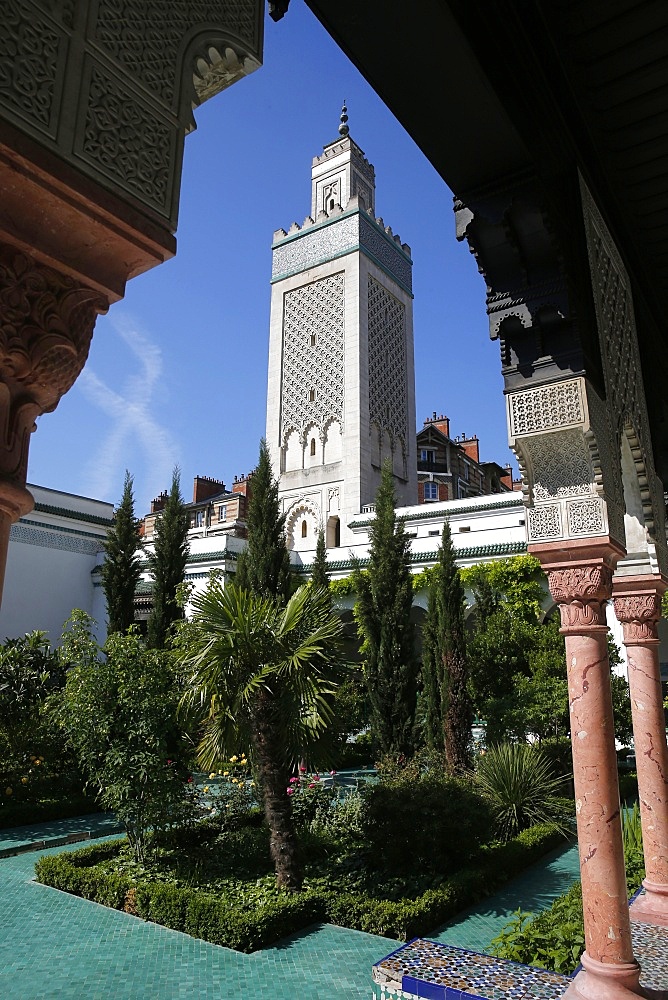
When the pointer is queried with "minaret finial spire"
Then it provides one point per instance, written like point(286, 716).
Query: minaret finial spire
point(343, 127)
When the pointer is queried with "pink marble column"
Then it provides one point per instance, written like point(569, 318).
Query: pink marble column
point(580, 580)
point(637, 602)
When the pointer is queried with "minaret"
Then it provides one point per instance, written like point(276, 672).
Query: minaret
point(341, 393)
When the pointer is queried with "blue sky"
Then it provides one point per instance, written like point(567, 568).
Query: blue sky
point(177, 370)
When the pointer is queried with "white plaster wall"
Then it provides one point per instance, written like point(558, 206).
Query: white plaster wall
point(42, 586)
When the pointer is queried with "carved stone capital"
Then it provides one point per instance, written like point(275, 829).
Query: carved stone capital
point(581, 592)
point(637, 604)
point(46, 325)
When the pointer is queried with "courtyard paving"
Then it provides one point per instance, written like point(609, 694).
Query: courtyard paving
point(53, 945)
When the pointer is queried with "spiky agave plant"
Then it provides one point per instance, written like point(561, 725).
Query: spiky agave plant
point(518, 783)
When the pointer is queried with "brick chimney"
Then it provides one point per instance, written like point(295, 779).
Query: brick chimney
point(159, 503)
point(203, 488)
point(507, 477)
point(243, 485)
point(470, 446)
point(441, 423)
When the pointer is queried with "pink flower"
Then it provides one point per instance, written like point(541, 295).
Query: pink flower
point(316, 777)
point(190, 780)
point(302, 769)
point(332, 773)
point(312, 785)
point(290, 791)
point(293, 780)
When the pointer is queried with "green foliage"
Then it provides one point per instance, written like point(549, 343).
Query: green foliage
point(264, 567)
point(342, 588)
point(311, 800)
point(383, 615)
point(632, 829)
point(167, 562)
point(29, 672)
point(628, 786)
point(119, 711)
point(453, 822)
point(190, 910)
point(449, 713)
point(518, 783)
point(121, 568)
point(554, 938)
point(261, 914)
point(261, 674)
point(319, 575)
point(45, 810)
point(621, 707)
point(35, 762)
point(551, 940)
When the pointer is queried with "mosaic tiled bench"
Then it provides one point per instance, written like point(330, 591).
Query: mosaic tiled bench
point(434, 971)
point(429, 970)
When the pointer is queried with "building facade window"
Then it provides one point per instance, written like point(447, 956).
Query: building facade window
point(222, 512)
point(304, 529)
point(311, 395)
point(427, 455)
point(431, 491)
point(199, 519)
point(313, 446)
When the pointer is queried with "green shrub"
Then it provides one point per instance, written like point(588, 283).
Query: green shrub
point(430, 823)
point(247, 928)
point(628, 786)
point(552, 940)
point(27, 813)
point(407, 918)
point(163, 904)
point(519, 785)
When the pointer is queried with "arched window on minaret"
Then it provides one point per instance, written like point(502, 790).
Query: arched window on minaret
point(304, 529)
point(311, 396)
point(313, 446)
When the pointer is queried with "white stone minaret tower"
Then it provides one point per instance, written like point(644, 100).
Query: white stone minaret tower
point(341, 394)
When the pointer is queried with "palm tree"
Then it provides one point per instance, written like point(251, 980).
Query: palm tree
point(260, 675)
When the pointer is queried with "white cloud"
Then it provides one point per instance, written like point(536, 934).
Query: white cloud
point(131, 411)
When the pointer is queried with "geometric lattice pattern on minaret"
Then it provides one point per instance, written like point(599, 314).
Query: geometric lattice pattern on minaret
point(387, 361)
point(313, 362)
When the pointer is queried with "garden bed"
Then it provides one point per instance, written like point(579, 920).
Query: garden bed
point(223, 890)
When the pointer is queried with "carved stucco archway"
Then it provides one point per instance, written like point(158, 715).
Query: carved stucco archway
point(299, 511)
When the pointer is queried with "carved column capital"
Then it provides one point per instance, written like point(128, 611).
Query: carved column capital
point(581, 591)
point(639, 615)
point(46, 325)
point(637, 604)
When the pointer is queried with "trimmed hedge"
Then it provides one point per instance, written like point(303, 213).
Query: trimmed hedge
point(205, 915)
point(27, 813)
point(407, 918)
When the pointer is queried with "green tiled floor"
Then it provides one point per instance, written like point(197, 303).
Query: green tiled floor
point(534, 890)
point(97, 823)
point(53, 945)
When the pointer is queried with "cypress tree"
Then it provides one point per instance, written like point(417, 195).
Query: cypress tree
point(444, 652)
point(122, 568)
point(264, 567)
point(432, 673)
point(383, 610)
point(168, 563)
point(319, 576)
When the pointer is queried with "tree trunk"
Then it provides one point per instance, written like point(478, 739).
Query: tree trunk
point(457, 715)
point(270, 753)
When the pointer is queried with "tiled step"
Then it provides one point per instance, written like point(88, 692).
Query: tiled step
point(427, 969)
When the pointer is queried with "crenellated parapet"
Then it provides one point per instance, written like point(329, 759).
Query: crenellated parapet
point(336, 233)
